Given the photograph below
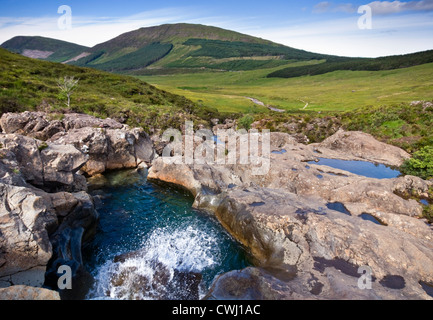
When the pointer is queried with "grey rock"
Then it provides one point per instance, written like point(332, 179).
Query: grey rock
point(24, 242)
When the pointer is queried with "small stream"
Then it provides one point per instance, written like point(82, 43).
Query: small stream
point(177, 251)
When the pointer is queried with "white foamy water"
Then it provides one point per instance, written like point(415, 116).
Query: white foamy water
point(160, 267)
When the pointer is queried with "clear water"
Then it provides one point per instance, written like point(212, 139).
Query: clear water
point(361, 168)
point(338, 206)
point(369, 217)
point(171, 236)
point(424, 202)
point(282, 151)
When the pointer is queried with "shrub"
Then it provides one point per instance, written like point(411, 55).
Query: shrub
point(421, 164)
point(42, 146)
point(246, 121)
point(428, 213)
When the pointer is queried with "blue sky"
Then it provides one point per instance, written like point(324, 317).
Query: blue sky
point(331, 27)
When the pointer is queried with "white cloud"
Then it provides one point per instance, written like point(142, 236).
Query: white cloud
point(390, 7)
point(378, 7)
point(325, 6)
point(322, 7)
point(346, 8)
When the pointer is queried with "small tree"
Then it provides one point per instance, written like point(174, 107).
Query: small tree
point(67, 86)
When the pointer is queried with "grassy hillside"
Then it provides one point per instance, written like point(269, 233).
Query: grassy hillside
point(29, 84)
point(62, 50)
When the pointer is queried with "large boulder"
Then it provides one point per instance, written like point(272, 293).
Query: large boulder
point(109, 149)
point(23, 123)
point(26, 153)
point(79, 121)
point(61, 163)
point(365, 146)
point(45, 165)
point(25, 248)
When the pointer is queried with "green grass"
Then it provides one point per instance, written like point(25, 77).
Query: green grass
point(335, 91)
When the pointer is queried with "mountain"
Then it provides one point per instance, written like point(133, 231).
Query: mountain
point(45, 48)
point(179, 48)
point(190, 48)
point(171, 48)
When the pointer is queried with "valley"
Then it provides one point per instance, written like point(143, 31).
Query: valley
point(336, 91)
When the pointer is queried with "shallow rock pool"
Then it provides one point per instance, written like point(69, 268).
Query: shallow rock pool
point(361, 168)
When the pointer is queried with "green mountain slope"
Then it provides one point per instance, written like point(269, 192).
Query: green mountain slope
point(185, 48)
point(29, 84)
point(378, 64)
point(45, 48)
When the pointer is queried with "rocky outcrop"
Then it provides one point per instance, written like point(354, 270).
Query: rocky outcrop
point(25, 248)
point(31, 219)
point(102, 145)
point(309, 227)
point(43, 126)
point(45, 165)
point(314, 226)
point(109, 149)
point(45, 212)
point(108, 144)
